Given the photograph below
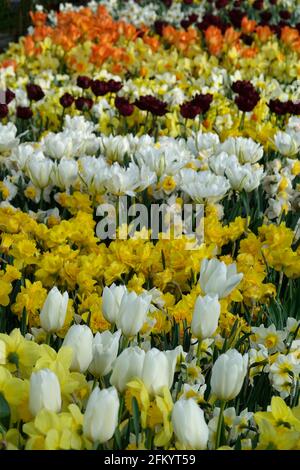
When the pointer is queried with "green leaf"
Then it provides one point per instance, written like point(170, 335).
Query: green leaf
point(4, 412)
point(136, 419)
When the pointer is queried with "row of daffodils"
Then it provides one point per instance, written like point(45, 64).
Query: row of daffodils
point(132, 341)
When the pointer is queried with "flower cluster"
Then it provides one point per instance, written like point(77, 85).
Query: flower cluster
point(187, 338)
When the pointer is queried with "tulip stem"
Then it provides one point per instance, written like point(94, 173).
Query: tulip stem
point(126, 342)
point(199, 350)
point(95, 382)
point(220, 424)
point(102, 383)
point(48, 338)
point(242, 122)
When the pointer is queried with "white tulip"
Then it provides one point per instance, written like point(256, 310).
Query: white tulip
point(127, 366)
point(58, 145)
point(203, 144)
point(115, 147)
point(286, 143)
point(80, 339)
point(159, 368)
point(65, 173)
point(122, 180)
point(206, 316)
point(133, 313)
point(39, 170)
point(54, 310)
point(44, 392)
point(228, 374)
point(246, 150)
point(111, 300)
point(247, 177)
point(21, 154)
point(94, 172)
point(105, 351)
point(203, 185)
point(8, 139)
point(189, 425)
point(101, 415)
point(218, 278)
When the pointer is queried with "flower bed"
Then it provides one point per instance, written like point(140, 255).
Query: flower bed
point(149, 217)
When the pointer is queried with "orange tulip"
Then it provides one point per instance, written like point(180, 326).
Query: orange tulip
point(248, 26)
point(263, 33)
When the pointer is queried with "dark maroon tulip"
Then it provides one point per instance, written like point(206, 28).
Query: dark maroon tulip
point(285, 14)
point(277, 107)
point(258, 4)
point(99, 87)
point(34, 92)
point(159, 26)
point(189, 110)
point(203, 101)
point(114, 86)
point(236, 16)
point(273, 2)
point(203, 25)
point(247, 39)
point(247, 103)
point(168, 3)
point(185, 24)
point(123, 106)
point(276, 28)
point(193, 17)
point(296, 109)
point(188, 2)
point(221, 3)
point(23, 112)
point(3, 110)
point(9, 96)
point(152, 104)
point(213, 20)
point(66, 100)
point(242, 87)
point(266, 16)
point(237, 3)
point(83, 104)
point(84, 82)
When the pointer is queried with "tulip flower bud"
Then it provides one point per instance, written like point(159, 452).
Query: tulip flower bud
point(3, 110)
point(228, 374)
point(24, 112)
point(84, 82)
point(127, 366)
point(105, 351)
point(133, 312)
point(218, 278)
point(66, 100)
point(9, 96)
point(44, 392)
point(83, 104)
point(80, 339)
point(101, 415)
point(53, 313)
point(206, 316)
point(111, 300)
point(159, 368)
point(39, 169)
point(65, 173)
point(189, 425)
point(99, 87)
point(114, 86)
point(124, 107)
point(34, 92)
